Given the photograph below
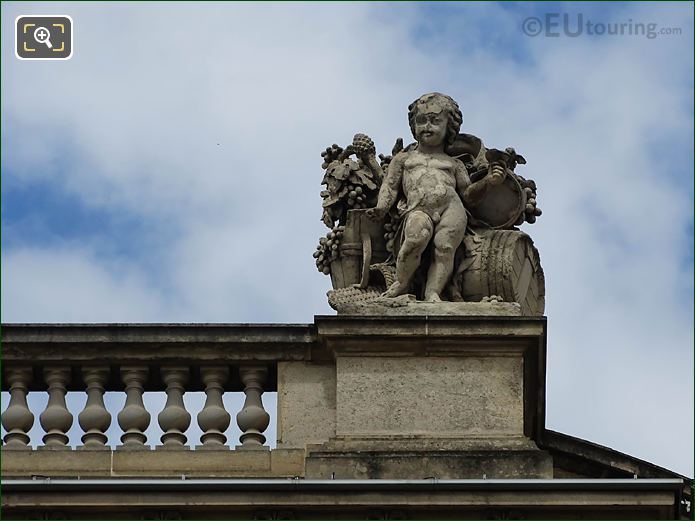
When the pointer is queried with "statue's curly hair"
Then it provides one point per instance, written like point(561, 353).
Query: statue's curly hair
point(454, 115)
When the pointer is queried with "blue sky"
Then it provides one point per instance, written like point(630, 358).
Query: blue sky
point(144, 180)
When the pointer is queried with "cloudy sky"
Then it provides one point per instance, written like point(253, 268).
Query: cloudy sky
point(170, 171)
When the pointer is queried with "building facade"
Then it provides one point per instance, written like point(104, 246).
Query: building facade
point(400, 417)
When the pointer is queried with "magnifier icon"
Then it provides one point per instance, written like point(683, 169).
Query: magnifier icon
point(43, 35)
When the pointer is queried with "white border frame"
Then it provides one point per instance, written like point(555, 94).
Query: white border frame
point(72, 36)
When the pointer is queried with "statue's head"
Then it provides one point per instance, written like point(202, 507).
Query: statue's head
point(435, 118)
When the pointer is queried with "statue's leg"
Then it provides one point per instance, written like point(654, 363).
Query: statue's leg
point(447, 238)
point(416, 236)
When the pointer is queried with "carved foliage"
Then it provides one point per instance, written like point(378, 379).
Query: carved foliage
point(349, 183)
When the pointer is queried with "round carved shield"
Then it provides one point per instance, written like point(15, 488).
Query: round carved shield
point(502, 205)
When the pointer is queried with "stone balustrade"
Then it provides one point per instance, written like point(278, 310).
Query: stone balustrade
point(351, 391)
point(133, 359)
point(94, 420)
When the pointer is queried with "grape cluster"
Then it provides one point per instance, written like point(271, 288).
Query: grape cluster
point(356, 198)
point(390, 229)
point(331, 153)
point(328, 249)
point(531, 212)
point(362, 145)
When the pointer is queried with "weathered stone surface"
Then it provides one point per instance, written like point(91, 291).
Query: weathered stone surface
point(418, 464)
point(436, 396)
point(306, 403)
point(424, 443)
point(287, 462)
point(63, 463)
point(461, 333)
point(277, 463)
point(191, 463)
point(335, 499)
point(442, 395)
point(407, 305)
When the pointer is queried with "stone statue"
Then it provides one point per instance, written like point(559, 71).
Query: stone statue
point(435, 221)
point(435, 186)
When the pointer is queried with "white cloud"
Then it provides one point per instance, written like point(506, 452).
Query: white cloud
point(206, 123)
point(71, 285)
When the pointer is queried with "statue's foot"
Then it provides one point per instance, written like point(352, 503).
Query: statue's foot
point(433, 297)
point(395, 290)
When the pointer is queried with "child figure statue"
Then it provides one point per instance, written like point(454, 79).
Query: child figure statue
point(435, 187)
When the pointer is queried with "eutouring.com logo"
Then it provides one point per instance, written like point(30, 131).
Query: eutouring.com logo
point(555, 25)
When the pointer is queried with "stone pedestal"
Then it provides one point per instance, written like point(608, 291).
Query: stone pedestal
point(415, 397)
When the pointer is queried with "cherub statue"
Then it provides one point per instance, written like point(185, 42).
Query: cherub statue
point(436, 189)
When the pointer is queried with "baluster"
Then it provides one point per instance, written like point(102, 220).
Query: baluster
point(214, 419)
point(56, 420)
point(94, 418)
point(134, 418)
point(174, 418)
point(253, 419)
point(17, 418)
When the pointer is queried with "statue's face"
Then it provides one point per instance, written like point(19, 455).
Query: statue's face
point(430, 128)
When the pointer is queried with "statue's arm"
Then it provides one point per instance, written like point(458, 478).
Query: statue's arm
point(370, 161)
point(463, 181)
point(476, 192)
point(392, 183)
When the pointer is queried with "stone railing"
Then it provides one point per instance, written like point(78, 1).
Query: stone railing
point(174, 420)
point(134, 359)
point(345, 386)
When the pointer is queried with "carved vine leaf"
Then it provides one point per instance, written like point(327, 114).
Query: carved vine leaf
point(331, 199)
point(327, 219)
point(340, 171)
point(332, 184)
